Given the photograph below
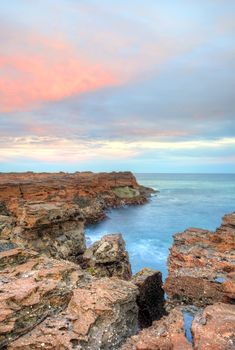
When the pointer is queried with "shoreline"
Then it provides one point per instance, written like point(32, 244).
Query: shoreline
point(54, 278)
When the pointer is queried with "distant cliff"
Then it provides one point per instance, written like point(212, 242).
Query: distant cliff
point(47, 211)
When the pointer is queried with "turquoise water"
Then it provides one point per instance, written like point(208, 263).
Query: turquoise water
point(185, 200)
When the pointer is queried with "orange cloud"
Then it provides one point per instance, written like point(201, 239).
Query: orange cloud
point(29, 79)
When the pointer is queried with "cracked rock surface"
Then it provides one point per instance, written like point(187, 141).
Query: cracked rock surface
point(202, 265)
point(57, 304)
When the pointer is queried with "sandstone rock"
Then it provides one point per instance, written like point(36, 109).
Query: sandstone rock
point(214, 328)
point(108, 257)
point(53, 304)
point(99, 316)
point(52, 228)
point(202, 265)
point(47, 212)
point(165, 334)
point(12, 257)
point(31, 288)
point(91, 192)
point(151, 296)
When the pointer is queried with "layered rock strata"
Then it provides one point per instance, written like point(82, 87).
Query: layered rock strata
point(47, 212)
point(202, 265)
point(52, 228)
point(90, 191)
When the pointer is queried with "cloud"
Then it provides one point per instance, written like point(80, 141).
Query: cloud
point(48, 69)
point(71, 150)
point(35, 79)
point(121, 83)
point(92, 45)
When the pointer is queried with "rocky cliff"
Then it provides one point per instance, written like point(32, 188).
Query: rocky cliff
point(47, 212)
point(54, 304)
point(92, 192)
point(57, 294)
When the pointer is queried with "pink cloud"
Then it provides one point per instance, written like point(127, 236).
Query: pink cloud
point(27, 80)
point(35, 68)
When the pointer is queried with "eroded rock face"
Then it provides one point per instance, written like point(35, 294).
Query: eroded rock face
point(151, 296)
point(91, 192)
point(100, 315)
point(54, 304)
point(202, 265)
point(52, 228)
point(214, 328)
point(108, 257)
point(165, 334)
point(47, 212)
point(31, 288)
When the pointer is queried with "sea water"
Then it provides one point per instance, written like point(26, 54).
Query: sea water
point(184, 200)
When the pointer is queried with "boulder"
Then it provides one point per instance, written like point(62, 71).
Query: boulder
point(108, 257)
point(214, 328)
point(202, 265)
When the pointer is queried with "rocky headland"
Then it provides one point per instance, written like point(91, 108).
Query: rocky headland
point(56, 293)
point(47, 212)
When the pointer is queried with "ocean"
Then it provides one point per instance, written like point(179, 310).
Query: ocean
point(184, 200)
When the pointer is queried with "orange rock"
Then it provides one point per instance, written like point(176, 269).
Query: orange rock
point(100, 315)
point(165, 334)
point(31, 288)
point(214, 328)
point(46, 212)
point(201, 265)
point(61, 186)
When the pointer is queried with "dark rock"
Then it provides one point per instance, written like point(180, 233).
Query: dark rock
point(151, 296)
point(3, 209)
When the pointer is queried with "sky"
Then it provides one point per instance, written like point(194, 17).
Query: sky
point(100, 85)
